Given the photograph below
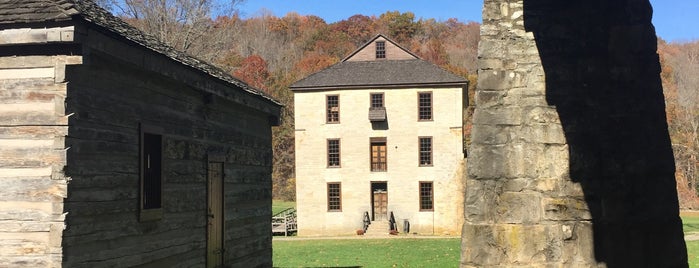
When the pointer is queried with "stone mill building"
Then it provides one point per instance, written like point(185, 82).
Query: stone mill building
point(117, 151)
point(379, 136)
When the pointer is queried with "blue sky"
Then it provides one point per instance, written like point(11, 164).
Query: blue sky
point(675, 20)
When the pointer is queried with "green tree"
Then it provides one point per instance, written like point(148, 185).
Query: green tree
point(401, 26)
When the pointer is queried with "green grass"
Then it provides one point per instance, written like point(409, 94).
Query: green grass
point(690, 224)
point(278, 205)
point(399, 252)
point(693, 253)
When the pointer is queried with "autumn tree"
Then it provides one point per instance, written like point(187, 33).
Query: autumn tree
point(314, 62)
point(253, 70)
point(461, 43)
point(359, 28)
point(178, 23)
point(680, 76)
point(400, 26)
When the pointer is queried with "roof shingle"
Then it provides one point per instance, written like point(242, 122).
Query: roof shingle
point(33, 11)
point(380, 73)
point(25, 11)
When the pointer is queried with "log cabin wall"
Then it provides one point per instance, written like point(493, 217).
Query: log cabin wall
point(74, 99)
point(33, 125)
point(121, 87)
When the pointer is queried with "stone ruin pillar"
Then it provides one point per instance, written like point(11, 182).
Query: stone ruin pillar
point(570, 163)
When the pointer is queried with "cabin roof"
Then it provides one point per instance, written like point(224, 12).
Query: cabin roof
point(13, 12)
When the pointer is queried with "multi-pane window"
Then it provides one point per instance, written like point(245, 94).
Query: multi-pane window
point(151, 173)
point(426, 196)
point(380, 49)
point(376, 100)
point(424, 104)
point(333, 153)
point(334, 196)
point(332, 104)
point(425, 155)
point(378, 154)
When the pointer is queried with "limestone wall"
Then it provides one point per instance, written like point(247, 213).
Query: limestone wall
point(403, 172)
point(570, 164)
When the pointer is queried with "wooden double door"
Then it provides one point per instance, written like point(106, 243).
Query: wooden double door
point(379, 201)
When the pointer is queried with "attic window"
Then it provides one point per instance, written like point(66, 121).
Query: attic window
point(380, 49)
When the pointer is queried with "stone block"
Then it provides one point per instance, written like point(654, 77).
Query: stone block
point(491, 64)
point(490, 163)
point(519, 185)
point(543, 134)
point(486, 99)
point(480, 200)
point(565, 209)
point(498, 116)
point(519, 207)
point(508, 245)
point(542, 115)
point(479, 247)
point(491, 135)
point(525, 97)
point(498, 79)
point(556, 165)
point(578, 244)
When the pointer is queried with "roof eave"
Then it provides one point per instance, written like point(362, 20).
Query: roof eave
point(381, 86)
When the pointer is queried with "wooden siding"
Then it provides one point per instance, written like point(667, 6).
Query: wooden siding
point(109, 98)
point(393, 52)
point(69, 157)
point(33, 125)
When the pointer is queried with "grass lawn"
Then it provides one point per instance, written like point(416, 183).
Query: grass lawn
point(693, 253)
point(278, 205)
point(397, 252)
point(690, 224)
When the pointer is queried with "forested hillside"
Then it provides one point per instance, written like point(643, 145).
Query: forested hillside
point(680, 74)
point(272, 52)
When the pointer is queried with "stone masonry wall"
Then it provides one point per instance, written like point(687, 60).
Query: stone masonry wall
point(570, 163)
point(403, 173)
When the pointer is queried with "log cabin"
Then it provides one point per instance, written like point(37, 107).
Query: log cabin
point(119, 151)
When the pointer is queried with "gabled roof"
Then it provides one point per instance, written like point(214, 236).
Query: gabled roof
point(362, 47)
point(379, 74)
point(37, 11)
point(25, 11)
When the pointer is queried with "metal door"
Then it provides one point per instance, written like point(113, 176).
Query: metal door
point(214, 240)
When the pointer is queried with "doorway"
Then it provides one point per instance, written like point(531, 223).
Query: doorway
point(214, 238)
point(379, 201)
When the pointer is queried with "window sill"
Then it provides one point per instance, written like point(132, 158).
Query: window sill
point(150, 214)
